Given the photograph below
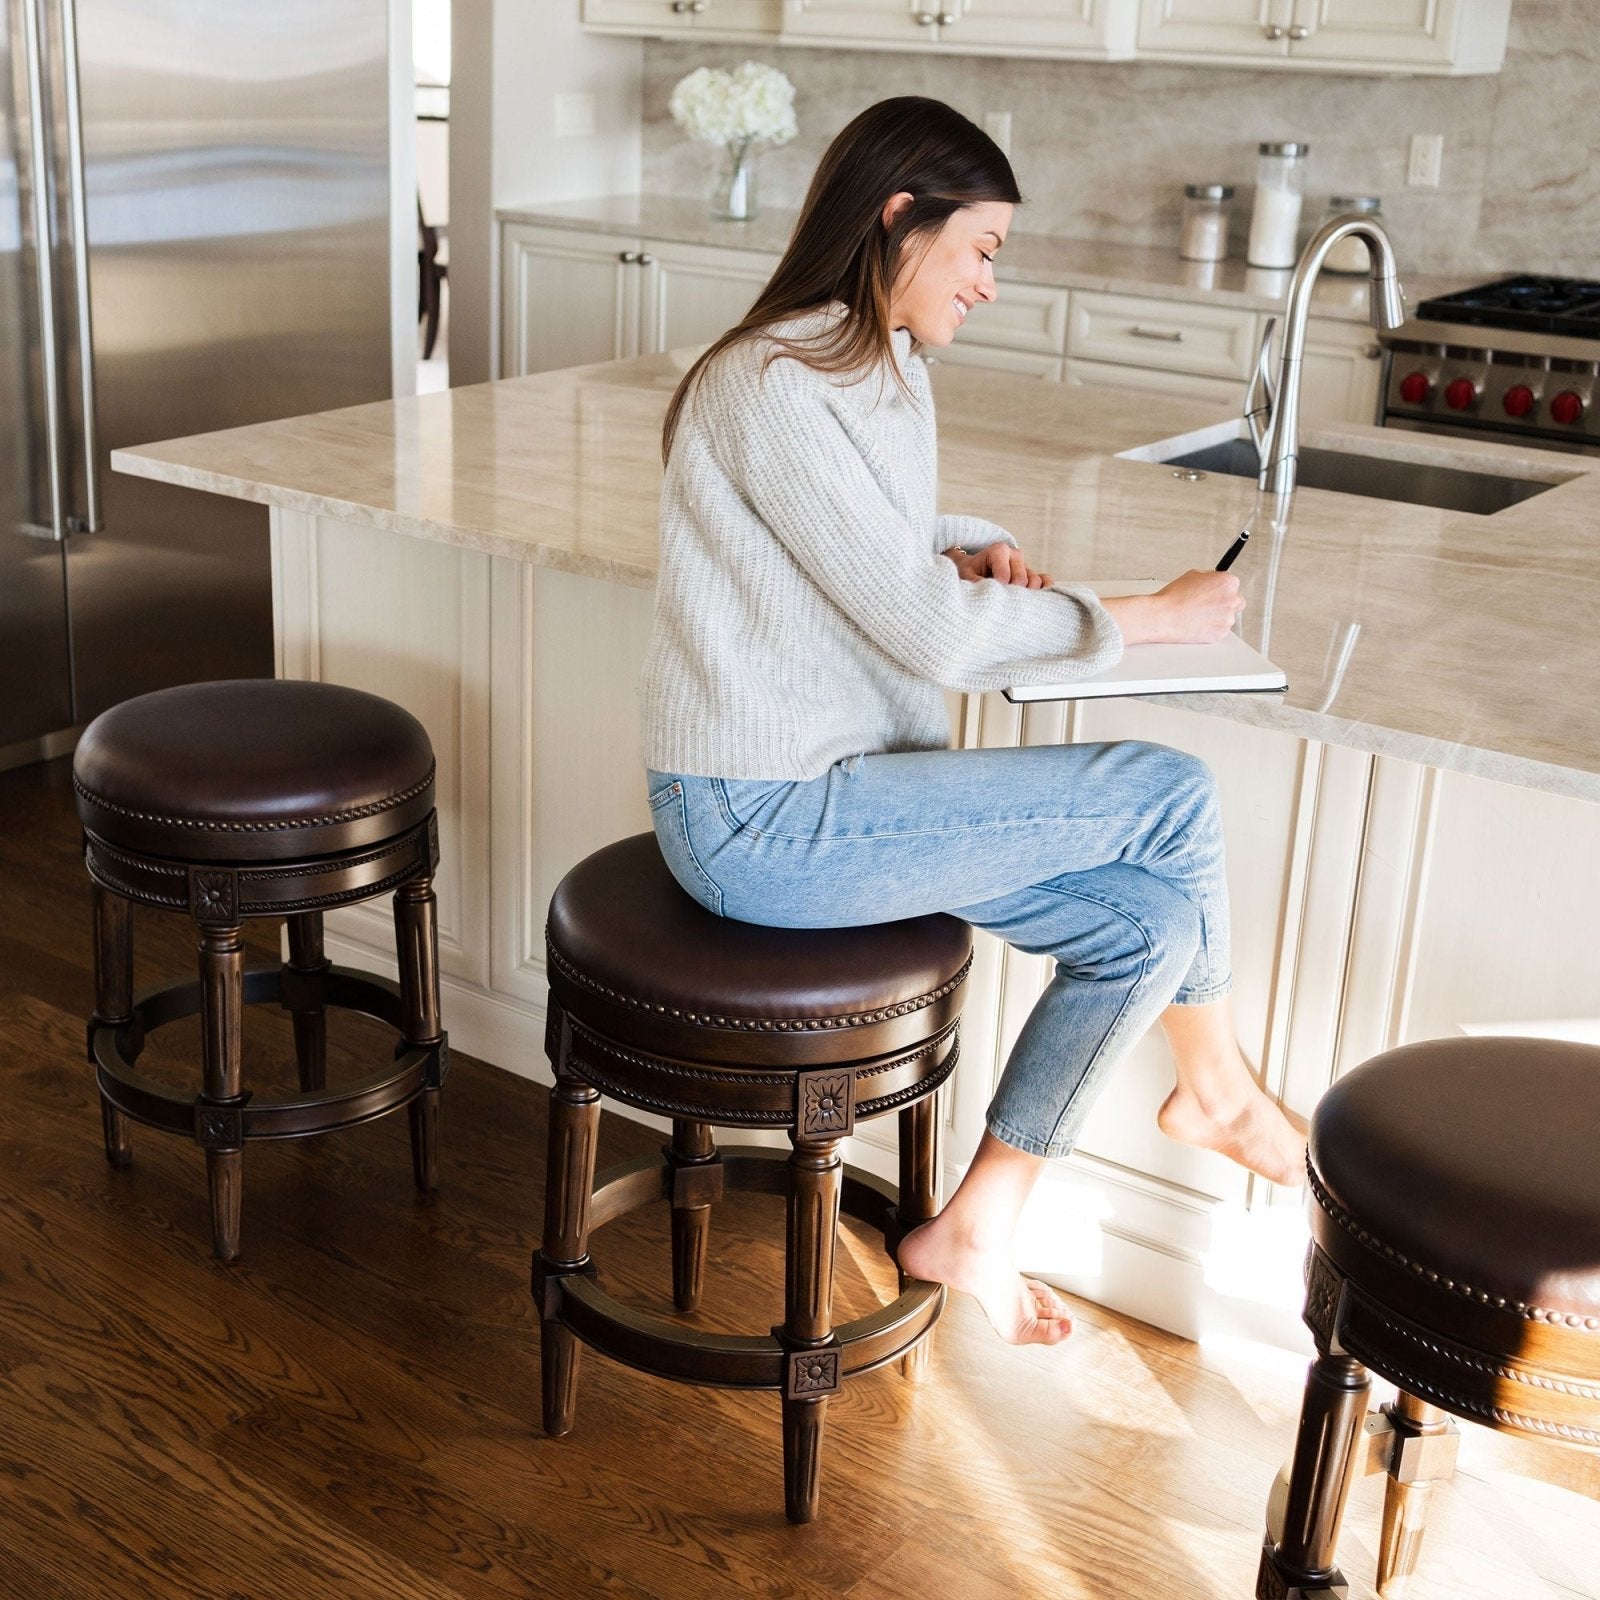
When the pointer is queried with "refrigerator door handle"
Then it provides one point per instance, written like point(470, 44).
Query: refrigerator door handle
point(44, 256)
point(77, 202)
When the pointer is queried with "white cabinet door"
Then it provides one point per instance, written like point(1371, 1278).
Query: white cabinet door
point(995, 358)
point(1041, 27)
point(698, 292)
point(566, 298)
point(1340, 375)
point(1253, 28)
point(1437, 35)
point(908, 23)
point(724, 19)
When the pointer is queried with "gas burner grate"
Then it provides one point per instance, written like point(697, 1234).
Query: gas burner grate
point(1537, 304)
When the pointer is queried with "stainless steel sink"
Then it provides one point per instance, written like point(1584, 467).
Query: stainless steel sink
point(1449, 488)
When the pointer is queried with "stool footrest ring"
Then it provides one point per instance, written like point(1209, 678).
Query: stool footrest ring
point(115, 1048)
point(667, 1349)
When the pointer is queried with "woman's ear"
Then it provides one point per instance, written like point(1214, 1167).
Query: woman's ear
point(895, 207)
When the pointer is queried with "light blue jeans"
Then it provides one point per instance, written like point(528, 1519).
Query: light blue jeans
point(1106, 856)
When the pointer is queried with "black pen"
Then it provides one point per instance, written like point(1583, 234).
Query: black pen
point(1231, 554)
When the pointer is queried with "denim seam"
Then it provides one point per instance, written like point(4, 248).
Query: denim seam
point(688, 845)
point(998, 824)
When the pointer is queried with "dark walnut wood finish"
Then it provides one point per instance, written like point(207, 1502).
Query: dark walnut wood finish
point(1455, 1210)
point(261, 798)
point(663, 1006)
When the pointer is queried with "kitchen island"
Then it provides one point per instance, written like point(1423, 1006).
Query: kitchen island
point(1414, 829)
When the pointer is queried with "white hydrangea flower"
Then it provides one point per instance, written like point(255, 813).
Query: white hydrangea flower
point(753, 102)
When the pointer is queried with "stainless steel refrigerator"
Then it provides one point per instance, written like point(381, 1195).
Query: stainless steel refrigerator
point(194, 234)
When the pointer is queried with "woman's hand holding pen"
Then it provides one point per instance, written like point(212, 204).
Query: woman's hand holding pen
point(999, 560)
point(1198, 608)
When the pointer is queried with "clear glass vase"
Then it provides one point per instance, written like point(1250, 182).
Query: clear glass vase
point(733, 195)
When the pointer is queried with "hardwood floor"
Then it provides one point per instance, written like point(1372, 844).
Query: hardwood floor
point(350, 1411)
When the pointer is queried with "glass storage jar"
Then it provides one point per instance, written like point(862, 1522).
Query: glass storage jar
point(1275, 217)
point(1205, 222)
point(1350, 255)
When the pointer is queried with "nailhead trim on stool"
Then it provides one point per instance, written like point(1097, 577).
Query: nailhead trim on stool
point(1455, 1214)
point(761, 1032)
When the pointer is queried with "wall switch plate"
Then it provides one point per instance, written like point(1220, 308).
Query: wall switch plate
point(997, 124)
point(1422, 165)
point(575, 116)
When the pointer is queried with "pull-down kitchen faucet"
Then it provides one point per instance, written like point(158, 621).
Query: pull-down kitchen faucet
point(1273, 415)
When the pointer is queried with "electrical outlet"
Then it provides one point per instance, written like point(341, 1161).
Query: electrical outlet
point(1422, 166)
point(997, 124)
point(575, 116)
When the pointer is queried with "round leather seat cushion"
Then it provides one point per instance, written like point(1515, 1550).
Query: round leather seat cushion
point(252, 769)
point(640, 959)
point(1473, 1159)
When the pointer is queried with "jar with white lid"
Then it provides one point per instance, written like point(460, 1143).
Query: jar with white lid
point(1350, 255)
point(1275, 217)
point(1205, 222)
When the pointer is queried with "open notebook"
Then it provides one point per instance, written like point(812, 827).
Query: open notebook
point(1232, 665)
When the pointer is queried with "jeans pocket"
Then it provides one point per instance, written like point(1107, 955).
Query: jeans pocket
point(669, 813)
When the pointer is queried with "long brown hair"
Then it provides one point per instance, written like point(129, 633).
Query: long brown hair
point(841, 250)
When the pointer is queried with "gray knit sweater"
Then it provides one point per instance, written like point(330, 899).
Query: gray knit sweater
point(804, 612)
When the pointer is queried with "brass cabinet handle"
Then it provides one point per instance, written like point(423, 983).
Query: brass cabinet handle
point(1299, 31)
point(628, 257)
point(645, 259)
point(947, 19)
point(1273, 31)
point(1170, 335)
point(925, 19)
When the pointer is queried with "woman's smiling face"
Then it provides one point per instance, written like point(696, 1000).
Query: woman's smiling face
point(941, 279)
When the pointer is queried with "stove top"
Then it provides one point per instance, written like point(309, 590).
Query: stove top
point(1535, 304)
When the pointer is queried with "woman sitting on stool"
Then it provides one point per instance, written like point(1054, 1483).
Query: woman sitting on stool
point(811, 609)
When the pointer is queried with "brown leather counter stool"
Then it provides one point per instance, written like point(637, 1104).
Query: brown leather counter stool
point(669, 1008)
point(260, 798)
point(1455, 1215)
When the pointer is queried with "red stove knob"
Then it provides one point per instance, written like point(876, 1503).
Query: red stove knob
point(1461, 394)
point(1567, 407)
point(1415, 387)
point(1519, 400)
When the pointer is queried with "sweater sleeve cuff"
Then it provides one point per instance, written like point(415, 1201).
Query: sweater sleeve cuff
point(971, 533)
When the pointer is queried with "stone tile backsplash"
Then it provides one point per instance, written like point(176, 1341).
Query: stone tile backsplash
point(1102, 151)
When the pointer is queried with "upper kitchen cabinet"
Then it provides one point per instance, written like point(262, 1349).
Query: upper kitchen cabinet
point(755, 20)
point(1085, 28)
point(1421, 36)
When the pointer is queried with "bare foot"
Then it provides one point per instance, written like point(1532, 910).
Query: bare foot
point(1021, 1310)
point(1248, 1127)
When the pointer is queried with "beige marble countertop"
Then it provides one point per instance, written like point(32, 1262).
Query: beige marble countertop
point(1475, 646)
point(1026, 258)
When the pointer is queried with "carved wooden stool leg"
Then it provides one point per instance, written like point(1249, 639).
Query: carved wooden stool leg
point(569, 1180)
point(812, 1370)
point(221, 1100)
point(303, 975)
point(416, 942)
point(1422, 1452)
point(113, 1000)
point(921, 1138)
point(696, 1185)
point(1325, 1460)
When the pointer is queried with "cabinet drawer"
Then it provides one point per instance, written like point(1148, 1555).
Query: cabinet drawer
point(1171, 335)
point(1026, 316)
point(1225, 391)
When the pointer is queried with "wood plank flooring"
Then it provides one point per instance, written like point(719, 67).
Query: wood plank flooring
point(350, 1411)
